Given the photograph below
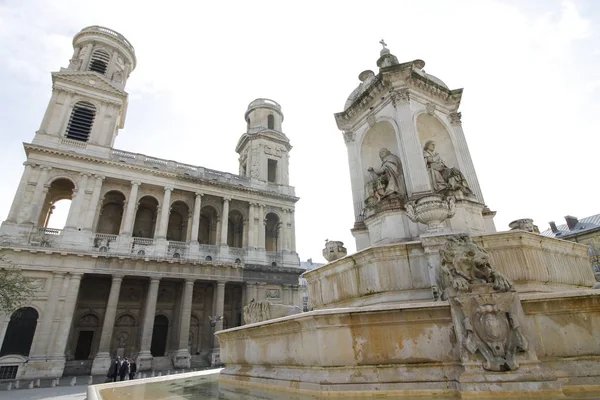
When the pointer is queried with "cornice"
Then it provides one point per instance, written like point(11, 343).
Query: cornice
point(151, 171)
point(70, 77)
point(396, 81)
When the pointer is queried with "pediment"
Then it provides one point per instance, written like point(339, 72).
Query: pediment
point(88, 79)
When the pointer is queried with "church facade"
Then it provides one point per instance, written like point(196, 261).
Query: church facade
point(155, 255)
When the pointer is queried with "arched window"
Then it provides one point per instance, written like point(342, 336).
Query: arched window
point(272, 232)
point(99, 61)
point(111, 213)
point(271, 121)
point(57, 204)
point(20, 331)
point(145, 219)
point(81, 121)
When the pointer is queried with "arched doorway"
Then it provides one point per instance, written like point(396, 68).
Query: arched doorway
point(207, 232)
point(195, 335)
point(57, 204)
point(235, 229)
point(87, 326)
point(272, 232)
point(20, 331)
point(111, 214)
point(178, 222)
point(145, 219)
point(159, 336)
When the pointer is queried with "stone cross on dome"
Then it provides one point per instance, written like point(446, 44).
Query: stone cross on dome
point(385, 50)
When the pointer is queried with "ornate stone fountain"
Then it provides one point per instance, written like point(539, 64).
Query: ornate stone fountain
point(435, 302)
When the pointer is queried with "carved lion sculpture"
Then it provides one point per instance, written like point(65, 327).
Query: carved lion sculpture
point(258, 311)
point(465, 263)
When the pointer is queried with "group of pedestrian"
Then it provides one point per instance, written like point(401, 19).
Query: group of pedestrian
point(122, 368)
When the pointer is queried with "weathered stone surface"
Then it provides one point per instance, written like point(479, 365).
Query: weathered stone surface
point(414, 347)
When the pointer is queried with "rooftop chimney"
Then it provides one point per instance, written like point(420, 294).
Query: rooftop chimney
point(571, 221)
point(553, 227)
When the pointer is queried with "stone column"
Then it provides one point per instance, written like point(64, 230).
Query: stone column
point(417, 178)
point(287, 295)
point(261, 293)
point(292, 231)
point(130, 211)
point(22, 189)
point(73, 220)
point(245, 228)
point(225, 221)
point(219, 309)
point(66, 318)
point(283, 232)
point(466, 165)
point(42, 347)
point(183, 357)
point(93, 206)
point(164, 215)
point(261, 226)
point(251, 226)
point(295, 297)
point(87, 57)
point(144, 356)
point(102, 359)
point(196, 217)
point(37, 201)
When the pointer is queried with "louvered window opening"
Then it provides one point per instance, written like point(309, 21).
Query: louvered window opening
point(80, 124)
point(99, 62)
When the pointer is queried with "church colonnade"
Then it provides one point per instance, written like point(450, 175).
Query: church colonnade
point(97, 317)
point(103, 206)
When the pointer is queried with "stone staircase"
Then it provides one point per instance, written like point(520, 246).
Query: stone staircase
point(162, 364)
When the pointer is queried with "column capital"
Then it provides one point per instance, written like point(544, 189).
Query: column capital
point(168, 189)
point(455, 117)
point(117, 277)
point(154, 279)
point(198, 194)
point(135, 183)
point(227, 199)
point(221, 283)
point(88, 174)
point(190, 281)
point(100, 177)
point(45, 168)
point(29, 164)
point(76, 275)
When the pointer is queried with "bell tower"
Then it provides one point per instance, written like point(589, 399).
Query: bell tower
point(264, 148)
point(89, 102)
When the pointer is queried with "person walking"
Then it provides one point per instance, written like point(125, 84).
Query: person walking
point(113, 371)
point(123, 369)
point(132, 368)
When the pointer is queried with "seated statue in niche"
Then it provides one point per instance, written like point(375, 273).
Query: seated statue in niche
point(386, 180)
point(443, 178)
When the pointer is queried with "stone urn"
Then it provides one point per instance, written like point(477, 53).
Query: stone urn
point(431, 210)
point(334, 250)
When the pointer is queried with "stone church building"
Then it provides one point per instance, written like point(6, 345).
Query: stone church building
point(151, 248)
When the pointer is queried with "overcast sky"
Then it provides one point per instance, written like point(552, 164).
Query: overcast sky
point(530, 70)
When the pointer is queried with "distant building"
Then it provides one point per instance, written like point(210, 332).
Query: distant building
point(584, 231)
point(307, 265)
point(152, 248)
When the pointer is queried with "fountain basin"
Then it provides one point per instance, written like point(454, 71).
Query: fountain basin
point(410, 348)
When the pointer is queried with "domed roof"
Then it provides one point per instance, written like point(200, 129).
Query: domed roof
point(365, 77)
point(432, 78)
